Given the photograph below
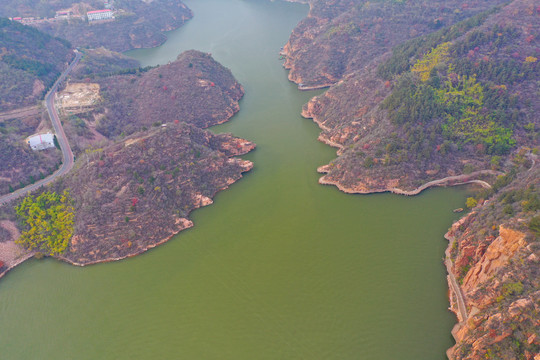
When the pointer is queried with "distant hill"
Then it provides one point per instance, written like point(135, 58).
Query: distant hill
point(102, 62)
point(42, 9)
point(30, 62)
point(137, 23)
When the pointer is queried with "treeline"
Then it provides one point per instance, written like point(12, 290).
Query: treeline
point(130, 71)
point(34, 67)
point(404, 55)
point(457, 91)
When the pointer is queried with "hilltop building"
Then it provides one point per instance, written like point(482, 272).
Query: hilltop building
point(64, 14)
point(99, 15)
point(40, 141)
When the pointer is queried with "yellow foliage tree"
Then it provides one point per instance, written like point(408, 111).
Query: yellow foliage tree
point(436, 56)
point(47, 221)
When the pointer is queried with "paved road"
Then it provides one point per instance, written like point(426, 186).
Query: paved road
point(67, 154)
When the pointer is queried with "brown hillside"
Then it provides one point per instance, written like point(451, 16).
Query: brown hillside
point(193, 89)
point(136, 194)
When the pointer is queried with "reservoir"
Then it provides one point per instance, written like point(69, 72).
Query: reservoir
point(279, 267)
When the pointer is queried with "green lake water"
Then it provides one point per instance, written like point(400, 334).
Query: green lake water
point(278, 268)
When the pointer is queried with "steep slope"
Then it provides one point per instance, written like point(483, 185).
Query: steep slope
point(341, 37)
point(405, 122)
point(495, 256)
point(194, 89)
point(30, 62)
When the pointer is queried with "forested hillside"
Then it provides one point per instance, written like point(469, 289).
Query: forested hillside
point(457, 100)
point(137, 193)
point(441, 93)
point(30, 61)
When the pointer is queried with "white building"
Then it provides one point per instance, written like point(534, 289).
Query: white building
point(64, 14)
point(99, 15)
point(41, 141)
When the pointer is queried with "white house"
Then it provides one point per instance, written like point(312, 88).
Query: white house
point(40, 141)
point(99, 14)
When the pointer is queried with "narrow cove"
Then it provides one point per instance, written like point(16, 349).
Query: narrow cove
point(278, 267)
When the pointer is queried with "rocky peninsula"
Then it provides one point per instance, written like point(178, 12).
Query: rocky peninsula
point(144, 160)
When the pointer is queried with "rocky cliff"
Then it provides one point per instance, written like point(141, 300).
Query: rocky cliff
point(496, 258)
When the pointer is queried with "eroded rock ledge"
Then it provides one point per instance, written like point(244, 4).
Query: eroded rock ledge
point(493, 260)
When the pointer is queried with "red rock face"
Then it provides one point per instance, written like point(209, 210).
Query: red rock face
point(499, 279)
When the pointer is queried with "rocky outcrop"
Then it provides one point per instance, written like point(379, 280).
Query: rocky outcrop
point(11, 254)
point(497, 300)
point(496, 255)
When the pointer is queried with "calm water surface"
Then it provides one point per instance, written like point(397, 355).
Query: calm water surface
point(278, 268)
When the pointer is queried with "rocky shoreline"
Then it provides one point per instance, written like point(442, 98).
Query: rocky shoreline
point(361, 53)
point(182, 224)
point(455, 180)
point(12, 255)
point(136, 190)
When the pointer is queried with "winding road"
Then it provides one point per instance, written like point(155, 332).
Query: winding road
point(67, 154)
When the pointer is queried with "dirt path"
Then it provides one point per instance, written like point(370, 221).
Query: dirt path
point(20, 113)
point(450, 180)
